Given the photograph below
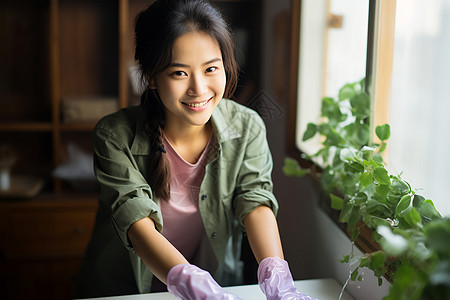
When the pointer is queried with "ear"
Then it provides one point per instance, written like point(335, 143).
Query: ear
point(152, 84)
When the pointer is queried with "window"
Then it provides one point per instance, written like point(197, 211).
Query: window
point(329, 48)
point(410, 68)
point(420, 99)
point(333, 52)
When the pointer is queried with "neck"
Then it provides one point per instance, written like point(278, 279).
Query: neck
point(187, 134)
point(189, 142)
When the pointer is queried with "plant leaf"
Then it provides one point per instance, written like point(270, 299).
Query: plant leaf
point(383, 132)
point(418, 201)
point(355, 234)
point(355, 217)
point(360, 198)
point(428, 210)
point(362, 134)
point(354, 167)
point(382, 190)
point(403, 204)
point(345, 259)
point(366, 179)
point(291, 168)
point(400, 187)
point(377, 260)
point(365, 261)
point(332, 111)
point(334, 138)
point(437, 233)
point(381, 175)
point(311, 131)
point(346, 213)
point(346, 92)
point(412, 217)
point(378, 209)
point(336, 202)
point(354, 274)
point(360, 105)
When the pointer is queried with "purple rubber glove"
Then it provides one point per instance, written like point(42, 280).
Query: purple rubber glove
point(275, 280)
point(190, 282)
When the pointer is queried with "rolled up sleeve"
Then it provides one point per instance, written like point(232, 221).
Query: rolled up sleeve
point(123, 188)
point(254, 185)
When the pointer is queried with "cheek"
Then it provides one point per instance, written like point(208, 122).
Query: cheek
point(221, 83)
point(168, 91)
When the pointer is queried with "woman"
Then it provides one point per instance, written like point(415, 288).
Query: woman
point(185, 173)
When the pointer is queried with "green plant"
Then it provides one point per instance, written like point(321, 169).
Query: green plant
point(413, 237)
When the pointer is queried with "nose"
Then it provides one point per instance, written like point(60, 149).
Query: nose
point(197, 86)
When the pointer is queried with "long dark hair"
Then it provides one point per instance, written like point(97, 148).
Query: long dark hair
point(156, 30)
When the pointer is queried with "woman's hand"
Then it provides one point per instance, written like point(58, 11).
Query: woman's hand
point(190, 282)
point(276, 282)
point(183, 280)
point(274, 276)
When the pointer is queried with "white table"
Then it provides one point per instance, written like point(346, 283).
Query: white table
point(323, 289)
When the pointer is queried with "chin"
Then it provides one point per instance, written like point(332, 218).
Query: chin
point(201, 122)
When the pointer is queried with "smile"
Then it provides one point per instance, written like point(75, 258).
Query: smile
point(197, 104)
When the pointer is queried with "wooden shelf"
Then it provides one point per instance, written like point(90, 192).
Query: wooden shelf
point(26, 127)
point(45, 127)
point(77, 127)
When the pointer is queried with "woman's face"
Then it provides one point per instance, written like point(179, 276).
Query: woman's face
point(193, 84)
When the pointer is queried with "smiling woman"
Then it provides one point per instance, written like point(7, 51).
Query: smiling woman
point(184, 174)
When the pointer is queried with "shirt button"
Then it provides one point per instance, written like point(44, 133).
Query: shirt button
point(213, 235)
point(204, 197)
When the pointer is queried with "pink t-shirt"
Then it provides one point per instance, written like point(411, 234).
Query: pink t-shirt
point(182, 222)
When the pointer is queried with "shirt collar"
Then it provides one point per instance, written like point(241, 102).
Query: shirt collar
point(224, 124)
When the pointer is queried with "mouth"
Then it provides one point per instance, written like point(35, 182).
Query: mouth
point(197, 104)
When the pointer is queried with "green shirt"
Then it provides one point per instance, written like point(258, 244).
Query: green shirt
point(237, 180)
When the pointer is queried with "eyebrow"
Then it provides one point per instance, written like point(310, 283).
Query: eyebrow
point(175, 64)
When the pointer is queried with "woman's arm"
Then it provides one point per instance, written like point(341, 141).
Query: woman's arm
point(262, 232)
point(182, 279)
point(157, 253)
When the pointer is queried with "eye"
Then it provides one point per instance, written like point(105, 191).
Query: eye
point(179, 73)
point(211, 69)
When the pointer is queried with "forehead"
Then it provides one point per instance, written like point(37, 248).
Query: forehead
point(195, 47)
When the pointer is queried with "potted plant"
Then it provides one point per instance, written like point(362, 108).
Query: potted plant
point(414, 238)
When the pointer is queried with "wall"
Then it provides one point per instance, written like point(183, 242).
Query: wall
point(313, 244)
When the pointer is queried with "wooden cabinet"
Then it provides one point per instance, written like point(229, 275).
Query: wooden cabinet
point(42, 243)
point(54, 52)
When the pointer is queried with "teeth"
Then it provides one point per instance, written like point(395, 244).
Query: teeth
point(199, 104)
